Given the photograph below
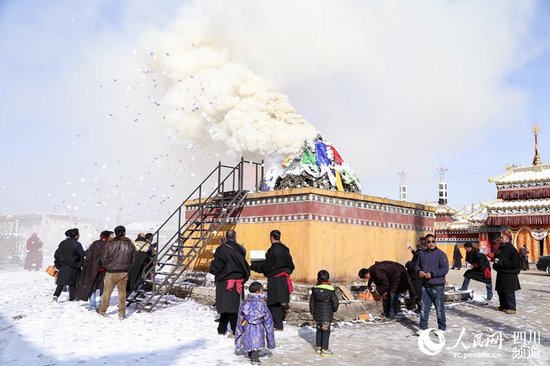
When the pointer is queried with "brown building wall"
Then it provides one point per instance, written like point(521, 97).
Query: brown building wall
point(339, 232)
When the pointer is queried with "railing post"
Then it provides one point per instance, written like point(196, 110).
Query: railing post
point(156, 260)
point(179, 250)
point(256, 178)
point(219, 175)
point(179, 224)
point(261, 176)
point(241, 173)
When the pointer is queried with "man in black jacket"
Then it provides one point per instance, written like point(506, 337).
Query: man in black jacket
point(277, 267)
point(231, 271)
point(391, 279)
point(69, 258)
point(507, 264)
point(117, 259)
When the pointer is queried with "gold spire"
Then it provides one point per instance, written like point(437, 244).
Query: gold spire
point(536, 158)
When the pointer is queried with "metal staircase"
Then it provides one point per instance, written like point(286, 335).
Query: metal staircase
point(209, 215)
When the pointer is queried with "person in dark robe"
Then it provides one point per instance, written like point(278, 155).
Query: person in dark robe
point(480, 271)
point(34, 253)
point(142, 257)
point(416, 282)
point(69, 258)
point(277, 267)
point(507, 263)
point(231, 271)
point(391, 279)
point(524, 254)
point(93, 273)
point(457, 258)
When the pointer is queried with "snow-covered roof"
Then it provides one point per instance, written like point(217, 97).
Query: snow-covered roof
point(458, 225)
point(533, 173)
point(474, 213)
point(444, 210)
point(479, 216)
point(465, 219)
point(501, 204)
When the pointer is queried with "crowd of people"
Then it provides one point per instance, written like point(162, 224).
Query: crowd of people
point(112, 261)
point(253, 320)
point(116, 261)
point(425, 276)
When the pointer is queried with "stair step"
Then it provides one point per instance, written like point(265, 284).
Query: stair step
point(165, 273)
point(174, 255)
point(195, 238)
point(183, 246)
point(178, 255)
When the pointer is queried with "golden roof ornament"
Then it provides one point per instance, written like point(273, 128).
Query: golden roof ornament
point(536, 132)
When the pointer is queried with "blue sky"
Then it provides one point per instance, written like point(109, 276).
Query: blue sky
point(62, 64)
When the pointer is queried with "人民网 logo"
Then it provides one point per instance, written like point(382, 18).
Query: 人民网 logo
point(428, 346)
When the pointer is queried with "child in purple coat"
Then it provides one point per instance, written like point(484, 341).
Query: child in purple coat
point(254, 324)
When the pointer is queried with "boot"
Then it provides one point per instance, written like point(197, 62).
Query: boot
point(255, 357)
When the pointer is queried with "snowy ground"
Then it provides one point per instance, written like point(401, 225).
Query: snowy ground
point(36, 331)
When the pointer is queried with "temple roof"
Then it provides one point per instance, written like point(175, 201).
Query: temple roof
point(501, 204)
point(532, 173)
point(466, 219)
point(458, 226)
point(444, 210)
point(519, 212)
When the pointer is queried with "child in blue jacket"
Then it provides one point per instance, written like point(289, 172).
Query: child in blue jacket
point(254, 324)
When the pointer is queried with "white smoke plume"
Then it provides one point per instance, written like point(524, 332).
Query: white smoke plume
point(212, 98)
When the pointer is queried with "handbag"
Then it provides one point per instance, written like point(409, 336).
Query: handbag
point(52, 271)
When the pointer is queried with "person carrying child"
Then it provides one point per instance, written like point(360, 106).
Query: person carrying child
point(323, 303)
point(254, 324)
